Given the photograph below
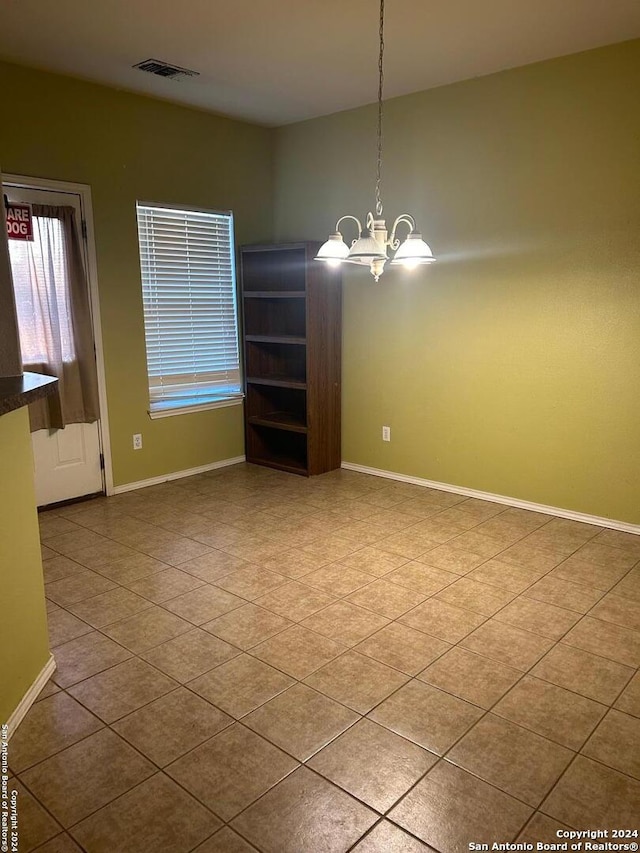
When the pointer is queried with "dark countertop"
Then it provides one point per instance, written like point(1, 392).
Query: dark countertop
point(18, 391)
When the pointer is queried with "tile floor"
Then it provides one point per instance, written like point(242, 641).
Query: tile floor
point(248, 660)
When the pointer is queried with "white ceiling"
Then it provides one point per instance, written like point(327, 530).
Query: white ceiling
point(279, 61)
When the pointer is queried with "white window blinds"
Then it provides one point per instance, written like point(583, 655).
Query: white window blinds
point(190, 314)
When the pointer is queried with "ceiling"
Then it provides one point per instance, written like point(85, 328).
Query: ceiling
point(279, 61)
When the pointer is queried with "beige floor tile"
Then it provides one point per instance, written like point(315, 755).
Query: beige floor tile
point(616, 742)
point(122, 689)
point(251, 582)
point(585, 673)
point(449, 809)
point(345, 623)
point(372, 763)
point(190, 655)
point(592, 796)
point(618, 539)
point(483, 546)
point(49, 727)
point(58, 567)
point(338, 580)
point(629, 700)
point(478, 597)
point(551, 711)
point(409, 543)
point(452, 559)
point(538, 617)
point(374, 561)
point(472, 677)
point(509, 645)
point(225, 841)
point(618, 610)
point(601, 554)
point(53, 525)
point(297, 651)
point(525, 554)
point(305, 812)
point(86, 776)
point(231, 770)
point(132, 568)
point(171, 725)
point(48, 690)
point(147, 629)
point(181, 550)
point(247, 626)
point(294, 563)
point(427, 716)
point(241, 685)
point(356, 681)
point(35, 826)
point(388, 838)
point(603, 638)
point(63, 627)
point(403, 647)
point(209, 567)
point(77, 587)
point(102, 554)
point(629, 586)
point(513, 759)
point(563, 593)
point(541, 829)
point(47, 553)
point(77, 540)
point(576, 570)
point(165, 585)
point(300, 721)
point(295, 601)
point(422, 578)
point(506, 575)
point(60, 844)
point(108, 607)
point(85, 656)
point(203, 604)
point(387, 599)
point(439, 619)
point(156, 816)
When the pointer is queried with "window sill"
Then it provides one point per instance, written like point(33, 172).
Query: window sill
point(170, 411)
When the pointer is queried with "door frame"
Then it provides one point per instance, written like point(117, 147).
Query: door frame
point(89, 248)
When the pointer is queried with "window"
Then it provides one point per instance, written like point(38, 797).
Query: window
point(190, 313)
point(41, 286)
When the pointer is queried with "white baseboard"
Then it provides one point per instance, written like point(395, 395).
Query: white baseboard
point(176, 475)
point(499, 499)
point(31, 695)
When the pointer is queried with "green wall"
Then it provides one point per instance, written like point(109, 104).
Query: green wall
point(128, 147)
point(24, 646)
point(513, 364)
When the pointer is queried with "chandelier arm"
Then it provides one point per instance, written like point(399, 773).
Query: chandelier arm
point(408, 220)
point(380, 88)
point(355, 219)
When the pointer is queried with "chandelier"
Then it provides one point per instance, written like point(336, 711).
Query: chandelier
point(370, 248)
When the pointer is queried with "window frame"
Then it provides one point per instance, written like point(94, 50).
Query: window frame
point(169, 409)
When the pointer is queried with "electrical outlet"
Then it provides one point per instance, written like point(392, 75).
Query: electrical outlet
point(386, 433)
point(137, 441)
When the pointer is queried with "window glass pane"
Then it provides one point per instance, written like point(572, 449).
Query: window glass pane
point(190, 313)
point(41, 286)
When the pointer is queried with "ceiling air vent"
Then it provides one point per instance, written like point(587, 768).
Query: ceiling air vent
point(163, 69)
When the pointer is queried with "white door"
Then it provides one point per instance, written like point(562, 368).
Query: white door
point(67, 461)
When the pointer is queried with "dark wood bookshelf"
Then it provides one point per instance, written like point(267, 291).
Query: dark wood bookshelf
point(292, 321)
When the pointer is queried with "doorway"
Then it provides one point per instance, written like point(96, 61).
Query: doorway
point(69, 456)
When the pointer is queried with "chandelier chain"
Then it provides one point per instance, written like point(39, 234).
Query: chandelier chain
point(380, 88)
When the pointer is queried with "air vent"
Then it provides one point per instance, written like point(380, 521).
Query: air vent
point(163, 69)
